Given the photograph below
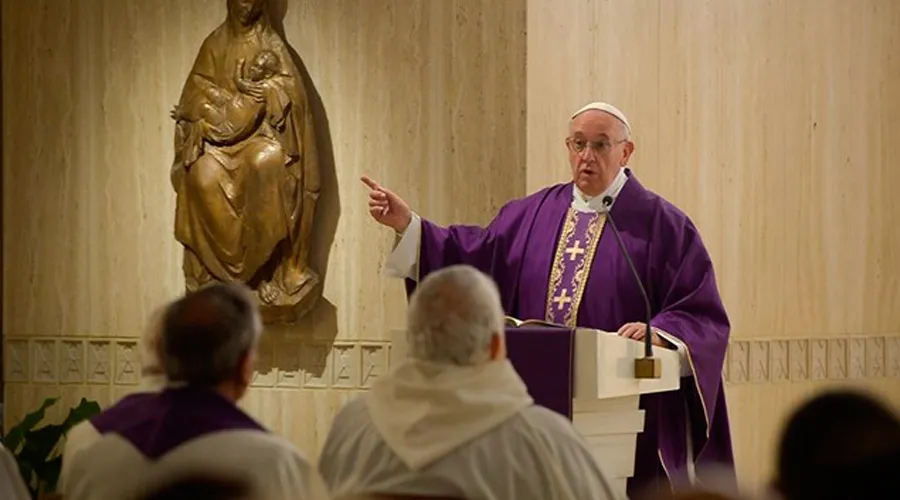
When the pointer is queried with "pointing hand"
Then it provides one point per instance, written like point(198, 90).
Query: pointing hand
point(386, 207)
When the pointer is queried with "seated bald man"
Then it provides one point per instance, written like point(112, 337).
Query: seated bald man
point(455, 419)
point(208, 346)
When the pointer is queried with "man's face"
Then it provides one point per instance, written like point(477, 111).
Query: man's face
point(246, 11)
point(597, 148)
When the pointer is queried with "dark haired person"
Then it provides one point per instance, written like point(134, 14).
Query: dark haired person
point(208, 345)
point(840, 444)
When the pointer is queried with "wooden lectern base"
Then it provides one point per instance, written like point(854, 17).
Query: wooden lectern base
point(610, 427)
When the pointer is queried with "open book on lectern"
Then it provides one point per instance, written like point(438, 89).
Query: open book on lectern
point(516, 322)
point(512, 322)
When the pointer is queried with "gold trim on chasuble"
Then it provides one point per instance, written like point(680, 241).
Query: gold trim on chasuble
point(582, 266)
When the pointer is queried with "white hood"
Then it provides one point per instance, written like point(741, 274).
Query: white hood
point(425, 410)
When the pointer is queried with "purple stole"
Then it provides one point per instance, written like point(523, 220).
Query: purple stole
point(158, 423)
point(572, 264)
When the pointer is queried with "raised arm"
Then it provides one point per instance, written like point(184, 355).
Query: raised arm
point(423, 246)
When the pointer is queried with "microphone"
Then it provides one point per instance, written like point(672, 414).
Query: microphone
point(646, 367)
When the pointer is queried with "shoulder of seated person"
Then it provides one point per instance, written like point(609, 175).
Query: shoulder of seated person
point(82, 426)
point(82, 430)
point(547, 421)
point(356, 407)
point(269, 444)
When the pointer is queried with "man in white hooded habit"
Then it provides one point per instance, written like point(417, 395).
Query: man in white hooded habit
point(455, 419)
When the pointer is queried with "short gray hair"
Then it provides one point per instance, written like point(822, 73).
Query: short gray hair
point(206, 333)
point(453, 316)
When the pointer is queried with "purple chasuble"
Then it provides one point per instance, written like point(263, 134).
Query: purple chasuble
point(522, 251)
point(157, 423)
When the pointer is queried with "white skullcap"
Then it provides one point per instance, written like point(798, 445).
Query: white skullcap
point(606, 108)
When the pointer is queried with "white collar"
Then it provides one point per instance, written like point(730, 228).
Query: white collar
point(585, 203)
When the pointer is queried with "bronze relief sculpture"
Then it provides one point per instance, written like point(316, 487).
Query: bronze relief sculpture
point(246, 172)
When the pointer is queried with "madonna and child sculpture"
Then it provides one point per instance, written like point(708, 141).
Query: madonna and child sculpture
point(246, 172)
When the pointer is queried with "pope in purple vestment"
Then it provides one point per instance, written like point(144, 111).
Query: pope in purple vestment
point(554, 259)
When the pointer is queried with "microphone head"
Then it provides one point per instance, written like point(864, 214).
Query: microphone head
point(607, 201)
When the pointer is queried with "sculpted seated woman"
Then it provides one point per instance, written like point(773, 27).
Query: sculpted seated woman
point(245, 171)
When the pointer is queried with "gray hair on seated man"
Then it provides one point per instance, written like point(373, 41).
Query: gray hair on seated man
point(209, 338)
point(455, 317)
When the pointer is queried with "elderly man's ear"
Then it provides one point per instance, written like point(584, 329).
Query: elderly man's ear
point(248, 365)
point(498, 347)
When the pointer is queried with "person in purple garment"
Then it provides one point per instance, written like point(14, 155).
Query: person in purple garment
point(554, 260)
point(208, 345)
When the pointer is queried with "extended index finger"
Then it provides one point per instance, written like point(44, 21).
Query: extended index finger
point(370, 183)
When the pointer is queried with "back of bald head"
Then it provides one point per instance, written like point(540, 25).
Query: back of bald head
point(207, 334)
point(453, 316)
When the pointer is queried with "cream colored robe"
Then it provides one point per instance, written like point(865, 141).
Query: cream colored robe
point(113, 469)
point(110, 467)
point(470, 432)
point(12, 486)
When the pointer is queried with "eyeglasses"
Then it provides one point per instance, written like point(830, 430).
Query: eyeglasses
point(579, 145)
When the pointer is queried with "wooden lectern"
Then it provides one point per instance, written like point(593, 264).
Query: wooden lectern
point(588, 376)
point(606, 395)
